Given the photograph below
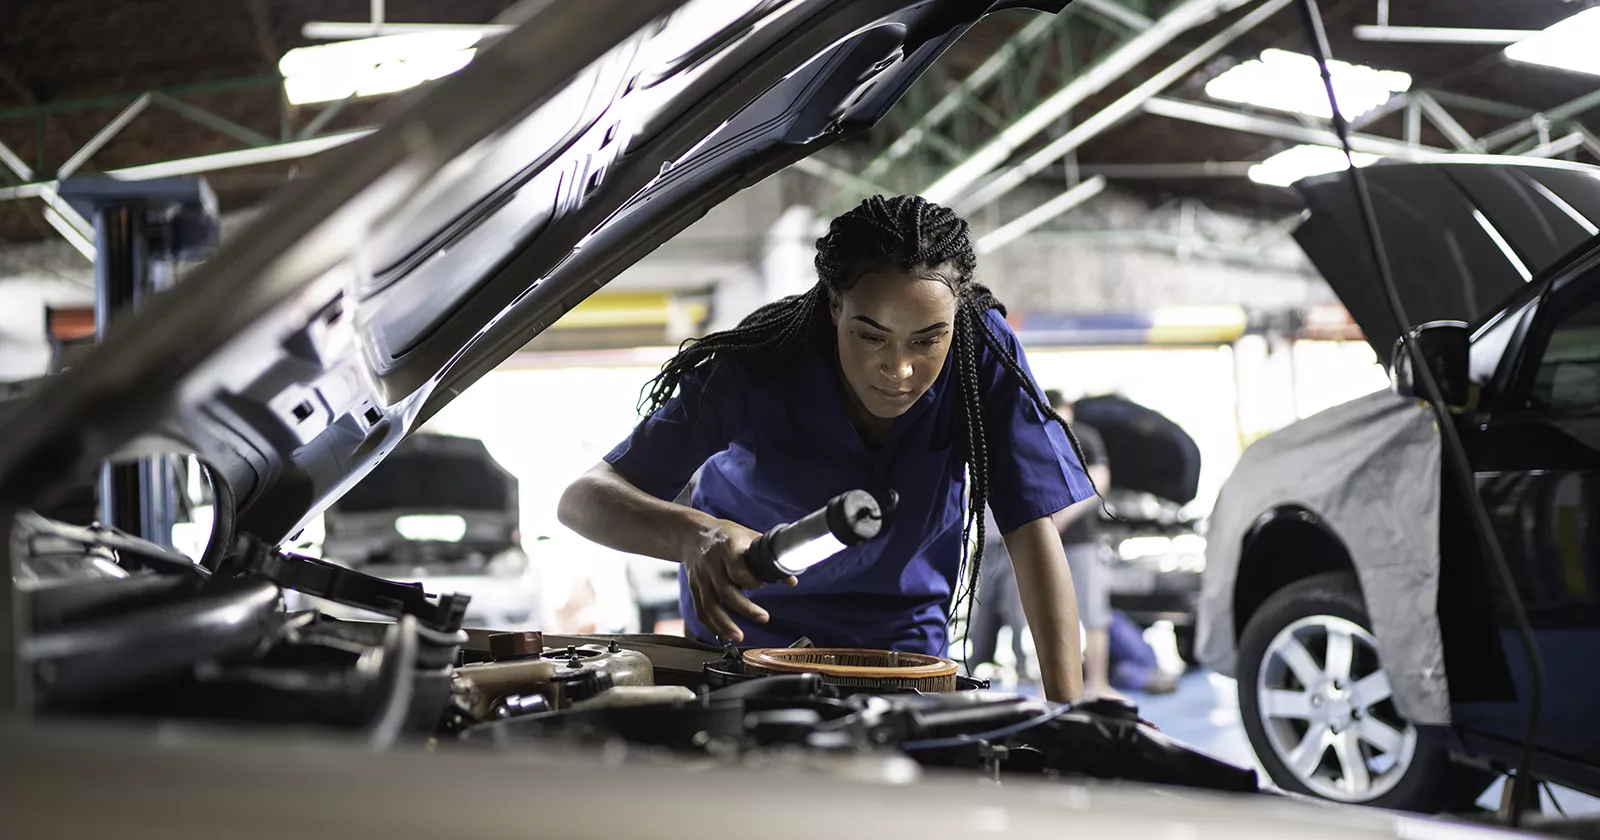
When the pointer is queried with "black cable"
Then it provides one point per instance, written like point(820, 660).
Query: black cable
point(1002, 732)
point(1452, 448)
point(223, 517)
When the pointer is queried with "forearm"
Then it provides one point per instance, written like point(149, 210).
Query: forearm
point(1050, 604)
point(605, 508)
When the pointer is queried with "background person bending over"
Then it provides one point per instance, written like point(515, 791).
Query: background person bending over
point(896, 371)
point(1080, 539)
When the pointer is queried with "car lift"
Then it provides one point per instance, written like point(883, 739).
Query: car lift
point(143, 229)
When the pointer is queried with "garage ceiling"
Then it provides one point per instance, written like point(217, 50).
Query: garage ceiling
point(69, 69)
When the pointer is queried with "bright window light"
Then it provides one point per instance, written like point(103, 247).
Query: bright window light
point(1566, 45)
point(1287, 81)
point(1290, 165)
point(426, 527)
point(373, 66)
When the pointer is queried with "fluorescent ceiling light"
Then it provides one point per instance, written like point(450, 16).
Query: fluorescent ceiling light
point(1566, 45)
point(373, 66)
point(1290, 165)
point(1287, 81)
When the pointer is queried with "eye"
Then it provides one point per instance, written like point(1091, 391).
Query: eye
point(929, 342)
point(874, 340)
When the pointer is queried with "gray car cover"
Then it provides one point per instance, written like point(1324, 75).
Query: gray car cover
point(1370, 469)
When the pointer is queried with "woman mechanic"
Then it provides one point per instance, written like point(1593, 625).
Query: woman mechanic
point(895, 371)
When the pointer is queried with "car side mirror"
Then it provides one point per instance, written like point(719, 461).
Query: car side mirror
point(1444, 347)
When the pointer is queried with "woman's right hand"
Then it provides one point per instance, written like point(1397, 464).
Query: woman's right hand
point(718, 577)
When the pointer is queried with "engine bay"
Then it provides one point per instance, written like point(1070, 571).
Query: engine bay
point(122, 629)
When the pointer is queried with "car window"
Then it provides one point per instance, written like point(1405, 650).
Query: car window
point(1568, 375)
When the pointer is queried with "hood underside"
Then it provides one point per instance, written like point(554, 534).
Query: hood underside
point(1460, 236)
point(420, 257)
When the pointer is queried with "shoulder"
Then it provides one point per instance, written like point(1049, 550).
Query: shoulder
point(997, 340)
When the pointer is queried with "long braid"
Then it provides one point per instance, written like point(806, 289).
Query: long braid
point(914, 235)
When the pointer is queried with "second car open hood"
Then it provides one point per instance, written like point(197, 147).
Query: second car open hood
point(418, 258)
point(1460, 236)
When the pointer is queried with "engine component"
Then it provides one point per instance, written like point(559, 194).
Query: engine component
point(336, 583)
point(857, 667)
point(507, 646)
point(626, 667)
point(100, 654)
point(630, 696)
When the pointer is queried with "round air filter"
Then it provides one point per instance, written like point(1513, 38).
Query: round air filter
point(857, 667)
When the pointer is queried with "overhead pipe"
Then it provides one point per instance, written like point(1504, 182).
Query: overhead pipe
point(1122, 60)
point(1285, 129)
point(1013, 230)
point(979, 78)
point(1119, 110)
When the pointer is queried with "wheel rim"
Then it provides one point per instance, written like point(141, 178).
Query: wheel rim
point(1328, 710)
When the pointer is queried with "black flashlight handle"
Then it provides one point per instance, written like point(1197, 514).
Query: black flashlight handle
point(851, 518)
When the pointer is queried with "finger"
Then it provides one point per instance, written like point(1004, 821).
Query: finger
point(738, 571)
point(791, 581)
point(735, 600)
point(700, 614)
point(717, 620)
point(728, 629)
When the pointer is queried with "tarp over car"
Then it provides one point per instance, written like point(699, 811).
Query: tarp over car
point(1370, 470)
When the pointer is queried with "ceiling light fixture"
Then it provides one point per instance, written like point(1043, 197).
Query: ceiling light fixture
point(373, 66)
point(1290, 165)
point(1288, 81)
point(1565, 45)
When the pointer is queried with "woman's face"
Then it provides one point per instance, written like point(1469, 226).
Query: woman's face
point(894, 333)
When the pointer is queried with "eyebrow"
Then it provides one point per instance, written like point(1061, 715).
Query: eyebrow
point(877, 326)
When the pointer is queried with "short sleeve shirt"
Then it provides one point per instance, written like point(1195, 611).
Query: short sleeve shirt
point(774, 447)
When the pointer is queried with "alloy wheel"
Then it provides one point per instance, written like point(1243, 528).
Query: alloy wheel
point(1328, 710)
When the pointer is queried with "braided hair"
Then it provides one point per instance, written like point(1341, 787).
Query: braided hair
point(914, 235)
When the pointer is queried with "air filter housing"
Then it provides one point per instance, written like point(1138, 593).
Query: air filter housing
point(857, 667)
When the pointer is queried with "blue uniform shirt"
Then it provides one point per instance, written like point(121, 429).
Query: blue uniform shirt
point(779, 447)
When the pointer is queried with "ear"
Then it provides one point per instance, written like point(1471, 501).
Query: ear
point(835, 307)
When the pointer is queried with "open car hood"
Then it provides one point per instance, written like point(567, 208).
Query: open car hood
point(1461, 236)
point(418, 258)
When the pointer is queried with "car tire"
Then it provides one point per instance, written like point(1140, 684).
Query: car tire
point(1319, 712)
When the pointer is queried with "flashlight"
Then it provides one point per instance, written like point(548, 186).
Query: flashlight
point(850, 518)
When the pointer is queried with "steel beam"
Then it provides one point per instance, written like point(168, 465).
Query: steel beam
point(12, 161)
point(1285, 129)
point(1187, 15)
point(1174, 171)
point(839, 177)
point(1558, 146)
point(1459, 137)
point(104, 135)
point(1480, 105)
point(201, 116)
point(1116, 112)
point(1011, 231)
point(1530, 126)
point(987, 72)
point(57, 213)
point(1114, 11)
point(206, 163)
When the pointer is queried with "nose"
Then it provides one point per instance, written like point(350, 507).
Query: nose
point(898, 370)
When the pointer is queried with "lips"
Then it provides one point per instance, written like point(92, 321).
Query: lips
point(892, 396)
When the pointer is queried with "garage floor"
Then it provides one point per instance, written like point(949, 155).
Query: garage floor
point(1204, 713)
